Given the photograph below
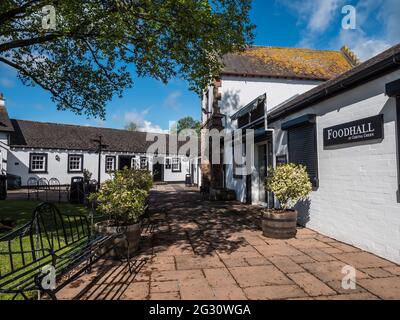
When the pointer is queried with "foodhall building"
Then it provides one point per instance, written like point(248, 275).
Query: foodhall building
point(344, 127)
point(347, 132)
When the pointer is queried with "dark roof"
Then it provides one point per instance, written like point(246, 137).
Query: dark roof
point(41, 135)
point(371, 69)
point(5, 123)
point(286, 63)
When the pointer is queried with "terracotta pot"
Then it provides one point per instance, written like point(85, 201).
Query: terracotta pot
point(121, 248)
point(278, 224)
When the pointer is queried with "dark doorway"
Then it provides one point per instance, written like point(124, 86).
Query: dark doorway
point(125, 161)
point(248, 189)
point(192, 172)
point(158, 172)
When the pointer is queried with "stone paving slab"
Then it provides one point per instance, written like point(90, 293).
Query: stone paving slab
point(200, 250)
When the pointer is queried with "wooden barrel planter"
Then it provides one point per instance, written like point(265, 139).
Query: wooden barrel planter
point(279, 224)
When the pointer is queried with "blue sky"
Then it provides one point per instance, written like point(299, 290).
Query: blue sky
point(286, 23)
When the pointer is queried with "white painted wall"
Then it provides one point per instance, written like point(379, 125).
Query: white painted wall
point(356, 201)
point(170, 176)
point(18, 164)
point(3, 152)
point(237, 92)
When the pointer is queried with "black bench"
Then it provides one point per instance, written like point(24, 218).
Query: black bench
point(50, 245)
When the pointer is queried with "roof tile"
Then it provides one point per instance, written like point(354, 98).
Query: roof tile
point(287, 63)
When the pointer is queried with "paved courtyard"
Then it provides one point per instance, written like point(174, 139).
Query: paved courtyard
point(196, 249)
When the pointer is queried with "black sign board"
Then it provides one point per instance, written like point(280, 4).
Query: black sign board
point(360, 130)
point(281, 159)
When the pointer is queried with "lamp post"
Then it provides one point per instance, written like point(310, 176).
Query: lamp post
point(100, 148)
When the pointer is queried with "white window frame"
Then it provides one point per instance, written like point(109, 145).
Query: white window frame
point(135, 163)
point(34, 157)
point(146, 163)
point(73, 158)
point(174, 162)
point(113, 163)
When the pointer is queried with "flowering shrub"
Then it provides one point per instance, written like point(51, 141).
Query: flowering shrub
point(289, 183)
point(123, 198)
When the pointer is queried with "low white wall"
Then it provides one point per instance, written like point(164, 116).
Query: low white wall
point(356, 200)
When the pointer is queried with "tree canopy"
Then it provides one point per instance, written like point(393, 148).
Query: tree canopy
point(132, 126)
point(84, 57)
point(188, 123)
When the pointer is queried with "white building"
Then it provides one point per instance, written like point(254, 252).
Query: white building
point(258, 80)
point(346, 132)
point(49, 150)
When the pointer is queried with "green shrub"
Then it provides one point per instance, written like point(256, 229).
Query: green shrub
point(289, 183)
point(87, 175)
point(123, 198)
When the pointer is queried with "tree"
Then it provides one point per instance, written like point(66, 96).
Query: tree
point(86, 52)
point(188, 123)
point(131, 126)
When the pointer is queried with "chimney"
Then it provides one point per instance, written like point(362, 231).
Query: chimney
point(350, 56)
point(2, 101)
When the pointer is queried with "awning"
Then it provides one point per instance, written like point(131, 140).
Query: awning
point(250, 107)
point(393, 88)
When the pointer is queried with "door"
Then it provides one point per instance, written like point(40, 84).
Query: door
point(248, 189)
point(193, 173)
point(158, 172)
point(262, 172)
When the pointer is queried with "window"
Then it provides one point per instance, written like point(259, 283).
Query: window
point(176, 165)
point(302, 146)
point(168, 163)
point(38, 162)
point(143, 163)
point(110, 163)
point(75, 163)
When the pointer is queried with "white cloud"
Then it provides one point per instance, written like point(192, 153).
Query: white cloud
point(139, 118)
point(322, 14)
point(363, 46)
point(378, 24)
point(383, 12)
point(172, 100)
point(315, 16)
point(151, 127)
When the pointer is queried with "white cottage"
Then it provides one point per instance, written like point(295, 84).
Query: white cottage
point(252, 83)
point(347, 133)
point(50, 150)
point(344, 130)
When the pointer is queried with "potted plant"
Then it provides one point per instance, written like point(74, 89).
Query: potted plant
point(123, 200)
point(289, 183)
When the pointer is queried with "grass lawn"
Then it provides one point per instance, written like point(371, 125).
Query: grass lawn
point(20, 211)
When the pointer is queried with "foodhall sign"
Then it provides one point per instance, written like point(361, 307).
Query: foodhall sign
point(360, 130)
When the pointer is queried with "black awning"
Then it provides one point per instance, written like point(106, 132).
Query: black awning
point(393, 88)
point(250, 107)
point(307, 118)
